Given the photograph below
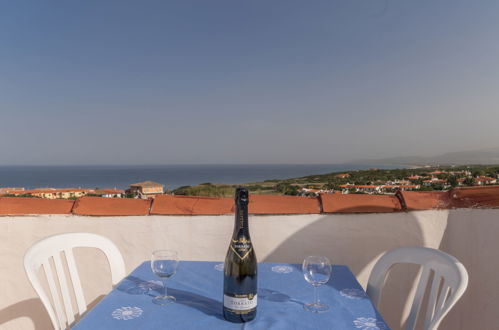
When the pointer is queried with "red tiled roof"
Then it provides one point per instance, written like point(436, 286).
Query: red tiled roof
point(191, 205)
point(485, 178)
point(359, 203)
point(26, 205)
point(111, 206)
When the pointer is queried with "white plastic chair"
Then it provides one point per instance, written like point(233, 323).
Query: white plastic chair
point(450, 280)
point(50, 248)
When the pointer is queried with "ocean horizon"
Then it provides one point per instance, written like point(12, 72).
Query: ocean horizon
point(172, 176)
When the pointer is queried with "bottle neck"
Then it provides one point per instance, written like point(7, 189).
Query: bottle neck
point(241, 221)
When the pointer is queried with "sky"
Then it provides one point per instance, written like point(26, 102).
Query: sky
point(212, 82)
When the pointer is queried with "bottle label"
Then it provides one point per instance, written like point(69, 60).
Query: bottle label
point(242, 247)
point(241, 303)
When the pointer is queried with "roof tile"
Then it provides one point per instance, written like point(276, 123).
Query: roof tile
point(259, 204)
point(425, 200)
point(359, 203)
point(191, 205)
point(475, 197)
point(274, 204)
point(111, 206)
point(26, 205)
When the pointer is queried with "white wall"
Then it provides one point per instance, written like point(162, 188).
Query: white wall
point(351, 239)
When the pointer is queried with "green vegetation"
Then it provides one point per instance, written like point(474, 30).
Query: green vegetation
point(378, 176)
point(286, 188)
point(332, 181)
point(222, 190)
point(206, 189)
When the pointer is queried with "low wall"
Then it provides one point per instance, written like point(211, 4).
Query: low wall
point(352, 239)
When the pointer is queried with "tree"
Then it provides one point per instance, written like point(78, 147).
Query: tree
point(477, 173)
point(425, 188)
point(286, 188)
point(452, 181)
point(469, 181)
point(438, 186)
point(293, 191)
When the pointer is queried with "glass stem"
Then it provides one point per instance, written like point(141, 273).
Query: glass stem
point(165, 291)
point(316, 296)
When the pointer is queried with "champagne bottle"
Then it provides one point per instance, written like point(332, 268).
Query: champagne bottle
point(240, 268)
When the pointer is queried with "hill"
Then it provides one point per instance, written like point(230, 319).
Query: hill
point(488, 156)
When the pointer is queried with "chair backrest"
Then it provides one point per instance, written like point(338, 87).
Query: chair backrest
point(40, 255)
point(450, 280)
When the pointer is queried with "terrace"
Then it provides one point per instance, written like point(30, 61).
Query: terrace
point(349, 229)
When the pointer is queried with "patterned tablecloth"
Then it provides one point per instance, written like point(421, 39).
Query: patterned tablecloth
point(282, 291)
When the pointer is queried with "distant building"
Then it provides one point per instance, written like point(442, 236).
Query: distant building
point(398, 182)
point(466, 173)
point(53, 193)
point(434, 181)
point(118, 193)
point(395, 187)
point(379, 189)
point(9, 190)
point(146, 189)
point(483, 180)
point(369, 189)
point(343, 175)
point(313, 192)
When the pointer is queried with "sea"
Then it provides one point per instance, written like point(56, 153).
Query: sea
point(172, 176)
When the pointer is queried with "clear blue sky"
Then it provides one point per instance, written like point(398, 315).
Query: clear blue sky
point(169, 82)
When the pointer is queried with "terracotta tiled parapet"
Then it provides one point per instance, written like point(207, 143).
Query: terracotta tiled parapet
point(259, 204)
point(274, 204)
point(26, 206)
point(111, 206)
point(191, 205)
point(359, 203)
point(424, 200)
point(487, 196)
point(469, 197)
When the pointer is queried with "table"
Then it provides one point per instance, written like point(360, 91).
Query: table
point(282, 291)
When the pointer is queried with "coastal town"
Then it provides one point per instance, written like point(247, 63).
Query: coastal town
point(434, 180)
point(382, 181)
point(371, 181)
point(144, 190)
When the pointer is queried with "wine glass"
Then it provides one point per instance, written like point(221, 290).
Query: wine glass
point(164, 264)
point(317, 271)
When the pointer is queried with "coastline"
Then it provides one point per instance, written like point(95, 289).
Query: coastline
point(172, 176)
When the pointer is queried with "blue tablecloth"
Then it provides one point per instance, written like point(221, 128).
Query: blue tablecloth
point(282, 291)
